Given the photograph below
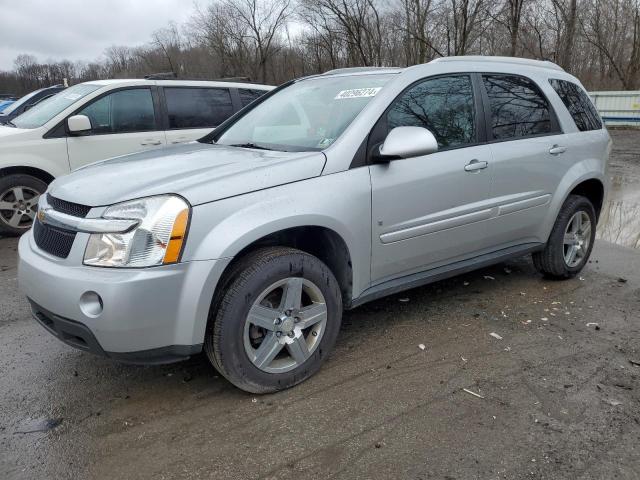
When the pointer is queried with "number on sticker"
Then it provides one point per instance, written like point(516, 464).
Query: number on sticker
point(357, 93)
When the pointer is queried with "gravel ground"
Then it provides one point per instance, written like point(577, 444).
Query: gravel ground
point(555, 397)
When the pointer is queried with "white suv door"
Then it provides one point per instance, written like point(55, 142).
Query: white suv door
point(192, 112)
point(122, 121)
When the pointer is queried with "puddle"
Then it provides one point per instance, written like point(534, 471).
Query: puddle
point(620, 218)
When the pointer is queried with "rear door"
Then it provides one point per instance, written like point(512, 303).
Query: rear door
point(431, 209)
point(123, 121)
point(192, 112)
point(529, 157)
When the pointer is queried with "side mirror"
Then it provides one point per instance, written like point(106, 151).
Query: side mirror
point(406, 142)
point(78, 124)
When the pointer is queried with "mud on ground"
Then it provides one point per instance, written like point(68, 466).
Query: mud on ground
point(558, 396)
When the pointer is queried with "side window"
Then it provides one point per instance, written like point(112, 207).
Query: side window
point(123, 111)
point(247, 96)
point(518, 108)
point(444, 105)
point(579, 105)
point(197, 107)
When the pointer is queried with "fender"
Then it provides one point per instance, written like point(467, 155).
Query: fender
point(584, 170)
point(27, 148)
point(224, 228)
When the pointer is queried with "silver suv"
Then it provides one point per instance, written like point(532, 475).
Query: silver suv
point(326, 193)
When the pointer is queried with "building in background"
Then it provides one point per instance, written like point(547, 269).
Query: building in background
point(618, 108)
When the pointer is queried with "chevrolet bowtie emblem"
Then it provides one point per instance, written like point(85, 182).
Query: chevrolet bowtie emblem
point(41, 215)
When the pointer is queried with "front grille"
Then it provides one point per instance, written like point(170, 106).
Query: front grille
point(57, 241)
point(52, 240)
point(69, 208)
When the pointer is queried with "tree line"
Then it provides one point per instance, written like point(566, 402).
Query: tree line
point(271, 41)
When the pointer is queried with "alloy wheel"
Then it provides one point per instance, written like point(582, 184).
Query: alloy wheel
point(577, 238)
point(285, 325)
point(18, 206)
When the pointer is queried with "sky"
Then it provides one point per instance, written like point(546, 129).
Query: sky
point(81, 30)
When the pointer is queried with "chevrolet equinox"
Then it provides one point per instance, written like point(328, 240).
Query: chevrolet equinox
point(325, 193)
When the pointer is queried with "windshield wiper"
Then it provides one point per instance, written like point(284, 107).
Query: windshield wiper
point(11, 124)
point(250, 145)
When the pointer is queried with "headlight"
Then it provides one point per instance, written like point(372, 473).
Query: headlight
point(157, 240)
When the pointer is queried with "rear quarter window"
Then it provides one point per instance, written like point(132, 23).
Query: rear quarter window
point(578, 104)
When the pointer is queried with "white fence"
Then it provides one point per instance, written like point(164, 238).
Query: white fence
point(618, 108)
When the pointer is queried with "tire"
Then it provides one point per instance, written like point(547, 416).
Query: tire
point(12, 209)
point(300, 333)
point(552, 261)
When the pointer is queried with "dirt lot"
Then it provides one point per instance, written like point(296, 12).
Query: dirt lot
point(559, 397)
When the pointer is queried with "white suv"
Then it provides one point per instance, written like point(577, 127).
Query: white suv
point(101, 119)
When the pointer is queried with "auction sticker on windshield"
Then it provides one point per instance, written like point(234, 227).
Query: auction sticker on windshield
point(357, 93)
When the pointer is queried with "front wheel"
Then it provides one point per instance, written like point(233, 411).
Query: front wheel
point(276, 322)
point(19, 194)
point(571, 240)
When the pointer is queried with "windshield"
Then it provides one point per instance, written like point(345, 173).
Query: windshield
point(17, 103)
point(44, 111)
point(306, 116)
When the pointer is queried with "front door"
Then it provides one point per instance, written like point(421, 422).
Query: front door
point(432, 209)
point(122, 122)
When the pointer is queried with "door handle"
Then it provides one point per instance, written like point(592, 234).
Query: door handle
point(151, 142)
point(475, 165)
point(557, 150)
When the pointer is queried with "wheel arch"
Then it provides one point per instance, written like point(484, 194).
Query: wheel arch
point(320, 241)
point(593, 189)
point(38, 173)
point(586, 178)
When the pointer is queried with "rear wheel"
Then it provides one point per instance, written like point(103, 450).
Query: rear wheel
point(276, 322)
point(571, 240)
point(19, 194)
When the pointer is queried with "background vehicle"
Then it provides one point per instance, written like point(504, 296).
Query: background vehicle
point(102, 119)
point(26, 102)
point(5, 104)
point(251, 246)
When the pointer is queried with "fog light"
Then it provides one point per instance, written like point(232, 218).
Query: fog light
point(91, 304)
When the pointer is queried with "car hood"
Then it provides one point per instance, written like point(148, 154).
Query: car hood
point(199, 172)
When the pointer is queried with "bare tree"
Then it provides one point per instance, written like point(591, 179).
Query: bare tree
point(167, 41)
point(465, 20)
point(614, 29)
point(597, 40)
point(357, 23)
point(264, 21)
point(566, 12)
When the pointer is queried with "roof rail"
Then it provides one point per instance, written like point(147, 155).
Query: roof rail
point(161, 76)
point(494, 59)
point(233, 79)
point(174, 76)
point(357, 70)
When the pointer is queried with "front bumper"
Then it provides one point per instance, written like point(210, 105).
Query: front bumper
point(149, 315)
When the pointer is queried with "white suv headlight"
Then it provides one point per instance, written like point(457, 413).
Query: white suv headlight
point(157, 240)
